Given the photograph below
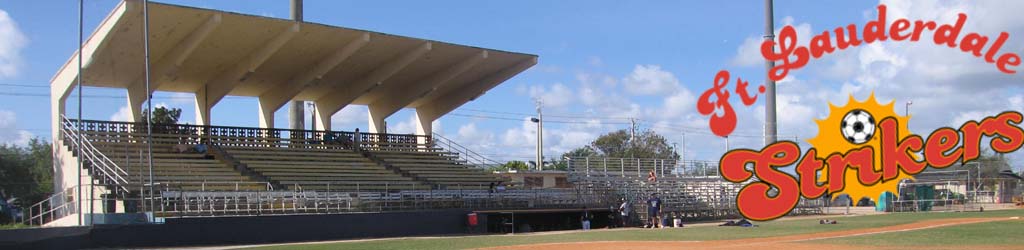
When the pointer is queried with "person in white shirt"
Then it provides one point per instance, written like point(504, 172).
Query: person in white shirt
point(624, 210)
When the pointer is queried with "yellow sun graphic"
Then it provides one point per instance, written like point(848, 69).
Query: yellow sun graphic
point(830, 139)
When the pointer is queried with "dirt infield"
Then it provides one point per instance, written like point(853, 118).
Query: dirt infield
point(790, 242)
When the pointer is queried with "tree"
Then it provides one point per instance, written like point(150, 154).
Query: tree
point(26, 173)
point(701, 168)
point(585, 151)
point(511, 165)
point(557, 164)
point(617, 144)
point(164, 116)
point(991, 164)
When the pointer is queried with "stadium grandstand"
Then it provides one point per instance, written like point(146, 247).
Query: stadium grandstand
point(184, 170)
point(110, 172)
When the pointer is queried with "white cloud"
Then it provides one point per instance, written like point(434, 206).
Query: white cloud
point(522, 140)
point(408, 126)
point(558, 95)
point(350, 117)
point(12, 41)
point(9, 133)
point(179, 98)
point(123, 114)
point(678, 104)
point(650, 80)
point(749, 53)
point(595, 61)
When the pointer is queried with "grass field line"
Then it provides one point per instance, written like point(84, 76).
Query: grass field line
point(921, 225)
point(699, 224)
point(910, 229)
point(786, 241)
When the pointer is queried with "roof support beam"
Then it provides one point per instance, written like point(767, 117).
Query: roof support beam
point(386, 106)
point(273, 99)
point(168, 65)
point(346, 92)
point(441, 105)
point(215, 90)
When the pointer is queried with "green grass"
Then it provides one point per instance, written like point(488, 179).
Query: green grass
point(765, 229)
point(989, 233)
point(13, 226)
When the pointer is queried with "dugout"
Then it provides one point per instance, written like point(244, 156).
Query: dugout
point(538, 220)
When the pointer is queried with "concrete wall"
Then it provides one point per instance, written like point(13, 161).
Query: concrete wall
point(241, 230)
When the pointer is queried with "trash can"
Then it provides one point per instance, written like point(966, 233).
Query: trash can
point(471, 220)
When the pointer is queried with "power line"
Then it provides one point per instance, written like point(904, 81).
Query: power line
point(106, 96)
point(580, 116)
point(522, 119)
point(24, 85)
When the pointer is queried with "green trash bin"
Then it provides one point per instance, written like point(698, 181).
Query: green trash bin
point(925, 192)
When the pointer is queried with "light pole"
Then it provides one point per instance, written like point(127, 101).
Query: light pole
point(675, 150)
point(907, 111)
point(771, 127)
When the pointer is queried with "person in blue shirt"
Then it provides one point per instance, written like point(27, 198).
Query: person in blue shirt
point(654, 210)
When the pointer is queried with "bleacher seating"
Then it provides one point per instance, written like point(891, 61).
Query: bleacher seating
point(186, 171)
point(298, 161)
point(438, 167)
point(694, 197)
point(321, 169)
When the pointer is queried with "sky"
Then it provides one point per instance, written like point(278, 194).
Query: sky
point(601, 63)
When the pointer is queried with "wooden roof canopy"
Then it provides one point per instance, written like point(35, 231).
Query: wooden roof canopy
point(214, 54)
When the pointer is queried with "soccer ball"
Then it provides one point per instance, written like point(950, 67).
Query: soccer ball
point(858, 126)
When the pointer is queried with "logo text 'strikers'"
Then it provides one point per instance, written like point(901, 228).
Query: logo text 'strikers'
point(940, 150)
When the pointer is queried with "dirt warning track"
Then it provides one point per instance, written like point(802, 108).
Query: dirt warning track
point(789, 242)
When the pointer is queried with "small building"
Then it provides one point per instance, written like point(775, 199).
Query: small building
point(538, 179)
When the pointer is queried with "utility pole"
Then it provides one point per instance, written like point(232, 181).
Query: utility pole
point(675, 150)
point(771, 128)
point(149, 107)
point(726, 143)
point(297, 109)
point(682, 154)
point(540, 135)
point(78, 80)
point(632, 129)
point(632, 137)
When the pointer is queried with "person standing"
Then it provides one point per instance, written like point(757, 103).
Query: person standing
point(653, 210)
point(586, 219)
point(356, 140)
point(624, 210)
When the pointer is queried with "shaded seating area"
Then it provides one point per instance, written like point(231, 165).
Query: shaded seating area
point(439, 167)
point(326, 168)
point(177, 164)
point(220, 158)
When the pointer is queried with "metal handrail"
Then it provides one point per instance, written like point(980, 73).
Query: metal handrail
point(257, 134)
point(471, 157)
point(109, 169)
point(44, 211)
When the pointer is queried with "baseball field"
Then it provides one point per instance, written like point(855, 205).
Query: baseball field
point(1002, 229)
